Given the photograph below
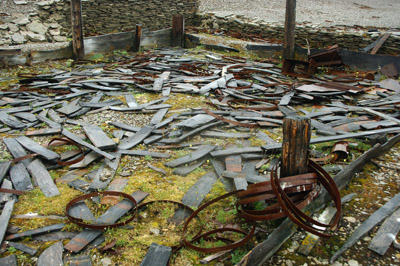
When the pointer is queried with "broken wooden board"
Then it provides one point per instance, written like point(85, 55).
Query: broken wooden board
point(99, 138)
point(22, 247)
point(37, 148)
point(157, 255)
point(43, 179)
point(5, 218)
point(105, 173)
point(136, 139)
point(367, 225)
point(87, 145)
point(20, 177)
point(53, 255)
point(386, 234)
point(110, 216)
point(196, 155)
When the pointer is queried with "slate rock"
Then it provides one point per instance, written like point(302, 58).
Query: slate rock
point(18, 38)
point(52, 256)
point(37, 27)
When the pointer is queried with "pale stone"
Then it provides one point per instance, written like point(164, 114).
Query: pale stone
point(35, 37)
point(54, 25)
point(106, 261)
point(350, 219)
point(18, 38)
point(13, 28)
point(20, 2)
point(352, 263)
point(54, 32)
point(37, 27)
point(289, 263)
point(60, 38)
point(21, 21)
point(3, 26)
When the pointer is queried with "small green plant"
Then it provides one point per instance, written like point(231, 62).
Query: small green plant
point(148, 158)
point(11, 249)
point(237, 255)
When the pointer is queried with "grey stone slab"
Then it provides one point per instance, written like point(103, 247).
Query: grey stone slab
point(196, 121)
point(130, 101)
point(144, 153)
point(26, 116)
point(83, 260)
point(54, 236)
point(105, 174)
point(20, 177)
point(233, 151)
point(44, 132)
point(98, 137)
point(4, 167)
point(125, 126)
point(4, 197)
point(87, 160)
point(11, 121)
point(196, 194)
point(199, 153)
point(136, 139)
point(22, 247)
point(34, 147)
point(87, 145)
point(5, 218)
point(55, 117)
point(158, 116)
point(80, 185)
point(216, 134)
point(43, 179)
point(157, 255)
point(81, 211)
point(9, 261)
point(53, 255)
point(185, 170)
point(107, 103)
point(49, 122)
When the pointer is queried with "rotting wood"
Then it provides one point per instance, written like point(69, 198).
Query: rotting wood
point(43, 179)
point(77, 29)
point(386, 234)
point(289, 31)
point(110, 216)
point(157, 255)
point(137, 39)
point(367, 225)
point(295, 146)
point(178, 30)
point(380, 42)
point(53, 255)
point(5, 218)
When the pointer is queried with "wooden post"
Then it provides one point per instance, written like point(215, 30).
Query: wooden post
point(296, 141)
point(290, 25)
point(178, 30)
point(77, 31)
point(138, 37)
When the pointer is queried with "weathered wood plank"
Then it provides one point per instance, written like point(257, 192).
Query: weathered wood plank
point(43, 179)
point(87, 145)
point(34, 147)
point(99, 138)
point(110, 216)
point(157, 255)
point(53, 255)
point(386, 234)
point(136, 139)
point(35, 232)
point(5, 218)
point(20, 177)
point(198, 154)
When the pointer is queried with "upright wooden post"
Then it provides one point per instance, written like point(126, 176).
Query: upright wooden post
point(296, 141)
point(178, 30)
point(290, 25)
point(77, 31)
point(138, 37)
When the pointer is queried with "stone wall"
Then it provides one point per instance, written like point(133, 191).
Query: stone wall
point(346, 37)
point(110, 16)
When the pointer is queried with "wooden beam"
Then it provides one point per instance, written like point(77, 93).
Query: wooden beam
point(178, 30)
point(138, 37)
point(77, 29)
point(296, 141)
point(290, 25)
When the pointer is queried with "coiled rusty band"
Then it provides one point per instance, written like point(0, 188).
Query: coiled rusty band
point(63, 141)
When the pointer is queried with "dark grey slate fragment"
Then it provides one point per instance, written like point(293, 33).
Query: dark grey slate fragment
point(34, 147)
point(9, 261)
point(199, 153)
point(43, 179)
point(4, 167)
point(20, 177)
point(5, 218)
point(52, 256)
point(157, 255)
point(98, 137)
point(22, 247)
point(136, 139)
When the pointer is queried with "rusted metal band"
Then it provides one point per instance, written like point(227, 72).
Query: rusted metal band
point(191, 245)
point(229, 121)
point(68, 142)
point(136, 77)
point(29, 156)
point(12, 191)
point(81, 223)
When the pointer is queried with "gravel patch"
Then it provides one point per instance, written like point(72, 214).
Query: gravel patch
point(366, 13)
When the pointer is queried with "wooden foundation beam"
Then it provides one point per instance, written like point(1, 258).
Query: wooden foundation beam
point(77, 29)
point(138, 38)
point(290, 25)
point(178, 30)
